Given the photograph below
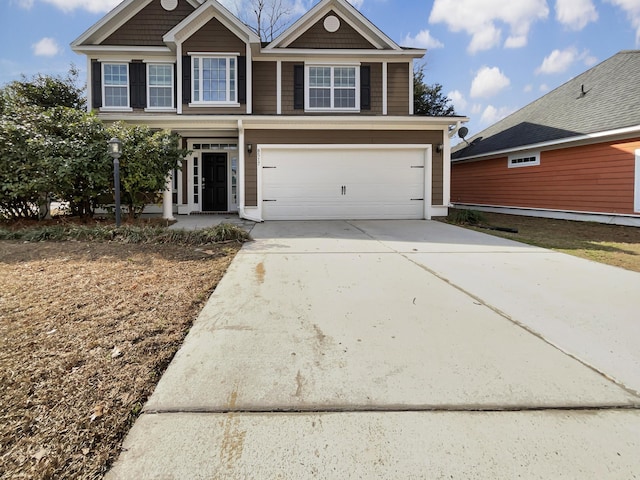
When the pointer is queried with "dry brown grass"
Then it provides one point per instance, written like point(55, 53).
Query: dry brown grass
point(86, 330)
point(611, 244)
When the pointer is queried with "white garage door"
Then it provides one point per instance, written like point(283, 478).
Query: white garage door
point(316, 182)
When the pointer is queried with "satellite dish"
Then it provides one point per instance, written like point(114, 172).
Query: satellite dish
point(463, 132)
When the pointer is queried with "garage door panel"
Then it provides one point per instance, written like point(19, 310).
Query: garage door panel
point(351, 183)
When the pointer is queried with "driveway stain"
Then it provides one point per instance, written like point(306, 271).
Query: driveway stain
point(260, 271)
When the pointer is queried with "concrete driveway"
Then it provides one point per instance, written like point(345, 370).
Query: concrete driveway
point(407, 349)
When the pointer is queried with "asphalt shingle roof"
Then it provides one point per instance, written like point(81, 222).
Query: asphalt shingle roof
point(611, 100)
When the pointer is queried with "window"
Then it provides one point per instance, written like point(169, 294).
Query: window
point(528, 160)
point(115, 81)
point(160, 86)
point(332, 88)
point(215, 80)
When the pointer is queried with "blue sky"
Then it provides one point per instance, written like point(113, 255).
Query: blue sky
point(492, 57)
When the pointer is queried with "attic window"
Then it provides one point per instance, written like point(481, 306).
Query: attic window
point(527, 160)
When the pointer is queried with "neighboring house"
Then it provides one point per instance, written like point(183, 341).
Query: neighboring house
point(317, 124)
point(574, 153)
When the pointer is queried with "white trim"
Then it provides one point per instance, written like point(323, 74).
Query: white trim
point(161, 60)
point(214, 54)
point(307, 96)
point(179, 79)
point(123, 108)
point(636, 198)
point(600, 217)
point(562, 143)
point(120, 49)
point(279, 87)
point(149, 108)
point(385, 87)
point(248, 77)
point(231, 101)
point(428, 164)
point(347, 12)
point(241, 160)
point(203, 15)
point(411, 99)
point(301, 53)
point(446, 164)
point(296, 122)
point(523, 159)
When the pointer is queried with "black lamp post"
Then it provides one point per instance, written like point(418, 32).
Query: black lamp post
point(115, 150)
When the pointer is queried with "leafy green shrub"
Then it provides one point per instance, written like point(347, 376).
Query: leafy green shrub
point(467, 217)
point(128, 234)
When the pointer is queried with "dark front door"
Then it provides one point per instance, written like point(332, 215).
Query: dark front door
point(214, 182)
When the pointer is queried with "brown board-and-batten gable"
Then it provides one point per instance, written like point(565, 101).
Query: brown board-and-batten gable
point(318, 37)
point(214, 37)
point(148, 26)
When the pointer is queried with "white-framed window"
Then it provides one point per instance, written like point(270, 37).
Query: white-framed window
point(160, 86)
point(332, 88)
point(529, 159)
point(214, 80)
point(115, 85)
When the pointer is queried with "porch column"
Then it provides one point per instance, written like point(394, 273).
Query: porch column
point(167, 200)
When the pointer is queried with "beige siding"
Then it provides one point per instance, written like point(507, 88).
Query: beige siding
point(287, 89)
point(398, 88)
point(591, 178)
point(214, 37)
point(149, 25)
point(264, 88)
point(318, 37)
point(261, 137)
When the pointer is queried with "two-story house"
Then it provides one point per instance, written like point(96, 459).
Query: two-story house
point(317, 124)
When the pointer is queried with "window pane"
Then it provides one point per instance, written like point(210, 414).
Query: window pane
point(115, 74)
point(116, 97)
point(160, 75)
point(320, 97)
point(320, 76)
point(161, 97)
point(196, 79)
point(161, 86)
point(344, 77)
point(344, 98)
point(214, 83)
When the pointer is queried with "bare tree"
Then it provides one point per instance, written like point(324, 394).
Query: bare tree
point(268, 18)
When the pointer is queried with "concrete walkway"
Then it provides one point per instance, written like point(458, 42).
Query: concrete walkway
point(200, 221)
point(406, 349)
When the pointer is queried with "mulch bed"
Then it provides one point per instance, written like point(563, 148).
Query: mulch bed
point(86, 330)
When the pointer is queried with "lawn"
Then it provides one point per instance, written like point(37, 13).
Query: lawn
point(86, 330)
point(611, 244)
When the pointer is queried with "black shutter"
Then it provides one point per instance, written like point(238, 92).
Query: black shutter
point(175, 83)
point(365, 87)
point(298, 87)
point(186, 79)
point(242, 79)
point(138, 84)
point(96, 84)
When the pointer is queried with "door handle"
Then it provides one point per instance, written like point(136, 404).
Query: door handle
point(344, 190)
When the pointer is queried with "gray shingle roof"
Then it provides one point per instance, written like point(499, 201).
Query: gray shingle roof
point(611, 100)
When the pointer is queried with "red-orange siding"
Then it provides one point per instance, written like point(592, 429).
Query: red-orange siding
point(590, 178)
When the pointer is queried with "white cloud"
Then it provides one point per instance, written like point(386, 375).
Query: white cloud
point(422, 40)
point(528, 88)
point(492, 114)
point(576, 14)
point(544, 88)
point(459, 102)
point(483, 19)
point(476, 108)
point(356, 3)
point(26, 4)
point(558, 61)
point(632, 8)
point(93, 6)
point(488, 82)
point(47, 47)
